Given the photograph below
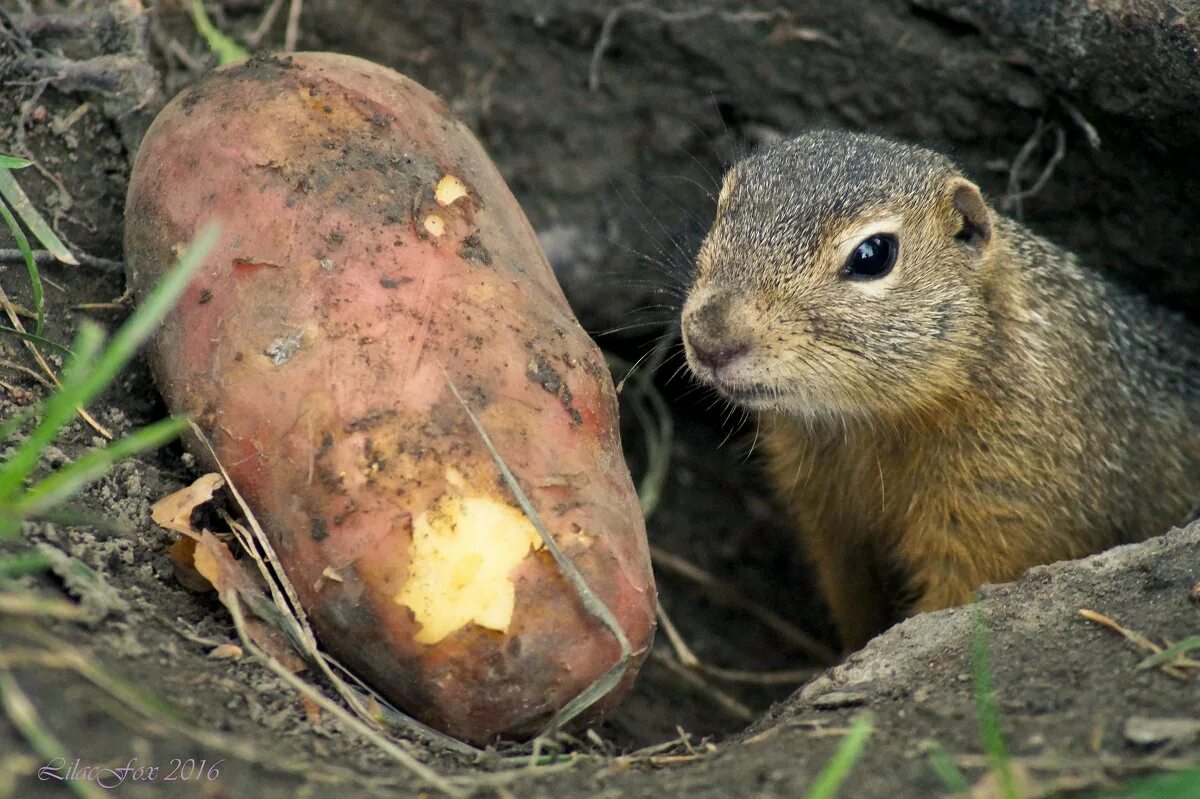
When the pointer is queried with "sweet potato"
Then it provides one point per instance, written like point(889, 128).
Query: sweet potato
point(370, 256)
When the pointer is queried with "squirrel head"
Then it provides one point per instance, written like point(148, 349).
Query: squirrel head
point(844, 274)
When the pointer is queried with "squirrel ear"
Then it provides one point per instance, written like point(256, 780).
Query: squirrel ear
point(976, 218)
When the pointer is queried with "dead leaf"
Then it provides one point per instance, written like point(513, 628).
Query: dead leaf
point(174, 511)
point(273, 641)
point(218, 565)
point(183, 555)
point(992, 787)
point(227, 652)
point(328, 575)
point(229, 576)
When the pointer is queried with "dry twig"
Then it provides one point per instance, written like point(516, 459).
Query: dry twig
point(57, 654)
point(1136, 638)
point(296, 626)
point(604, 40)
point(41, 361)
point(46, 258)
point(255, 37)
point(703, 686)
point(334, 709)
point(723, 592)
point(291, 35)
point(592, 603)
point(1015, 194)
point(24, 717)
point(688, 659)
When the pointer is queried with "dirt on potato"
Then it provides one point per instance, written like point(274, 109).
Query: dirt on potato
point(611, 123)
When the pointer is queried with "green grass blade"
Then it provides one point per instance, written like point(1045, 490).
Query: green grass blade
point(141, 323)
point(66, 482)
point(834, 773)
point(35, 277)
point(24, 717)
point(22, 563)
point(1171, 652)
point(225, 49)
point(36, 339)
point(15, 196)
point(985, 710)
point(1175, 785)
point(74, 516)
point(947, 771)
point(57, 412)
point(86, 374)
point(12, 162)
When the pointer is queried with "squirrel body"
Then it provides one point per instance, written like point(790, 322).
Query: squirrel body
point(946, 399)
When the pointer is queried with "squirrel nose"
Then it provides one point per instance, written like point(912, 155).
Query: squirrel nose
point(707, 331)
point(715, 355)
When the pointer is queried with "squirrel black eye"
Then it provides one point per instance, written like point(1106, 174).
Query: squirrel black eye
point(873, 258)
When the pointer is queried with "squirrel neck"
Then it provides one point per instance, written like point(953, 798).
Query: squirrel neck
point(1030, 290)
point(1006, 298)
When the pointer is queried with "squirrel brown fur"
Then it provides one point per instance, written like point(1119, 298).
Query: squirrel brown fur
point(982, 405)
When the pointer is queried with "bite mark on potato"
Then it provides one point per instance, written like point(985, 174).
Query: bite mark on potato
point(449, 189)
point(464, 547)
point(434, 225)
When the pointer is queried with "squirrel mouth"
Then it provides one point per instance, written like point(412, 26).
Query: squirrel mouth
point(753, 392)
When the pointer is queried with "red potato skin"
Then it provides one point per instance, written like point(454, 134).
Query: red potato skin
point(313, 350)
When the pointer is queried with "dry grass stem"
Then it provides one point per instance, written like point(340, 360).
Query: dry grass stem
point(1136, 638)
point(722, 591)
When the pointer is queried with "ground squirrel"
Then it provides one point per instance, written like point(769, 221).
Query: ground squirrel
point(946, 399)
